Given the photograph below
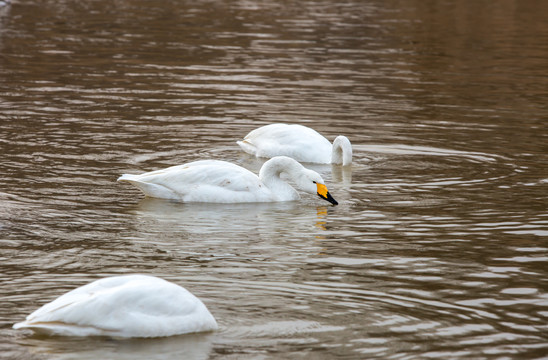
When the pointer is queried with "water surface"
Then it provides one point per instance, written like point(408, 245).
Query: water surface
point(438, 248)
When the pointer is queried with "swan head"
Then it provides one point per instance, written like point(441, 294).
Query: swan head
point(324, 194)
point(311, 182)
point(305, 179)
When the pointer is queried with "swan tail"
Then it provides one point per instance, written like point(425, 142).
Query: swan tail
point(127, 177)
point(149, 189)
point(59, 328)
point(247, 147)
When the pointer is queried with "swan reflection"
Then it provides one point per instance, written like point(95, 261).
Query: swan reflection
point(230, 219)
point(191, 346)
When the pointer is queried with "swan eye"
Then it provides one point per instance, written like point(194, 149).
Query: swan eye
point(313, 181)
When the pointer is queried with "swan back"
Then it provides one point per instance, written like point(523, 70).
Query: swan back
point(295, 141)
point(342, 151)
point(202, 181)
point(123, 306)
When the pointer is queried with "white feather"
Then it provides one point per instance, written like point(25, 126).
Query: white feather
point(123, 306)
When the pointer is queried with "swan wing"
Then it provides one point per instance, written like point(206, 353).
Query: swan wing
point(125, 306)
point(202, 181)
point(296, 141)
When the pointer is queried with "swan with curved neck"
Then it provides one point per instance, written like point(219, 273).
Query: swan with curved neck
point(298, 142)
point(223, 182)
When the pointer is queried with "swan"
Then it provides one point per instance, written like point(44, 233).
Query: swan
point(298, 142)
point(224, 182)
point(122, 306)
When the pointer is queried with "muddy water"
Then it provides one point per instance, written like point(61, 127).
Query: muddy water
point(439, 245)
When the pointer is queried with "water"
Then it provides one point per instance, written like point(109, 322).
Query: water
point(438, 248)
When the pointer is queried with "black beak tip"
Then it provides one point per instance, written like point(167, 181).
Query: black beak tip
point(329, 198)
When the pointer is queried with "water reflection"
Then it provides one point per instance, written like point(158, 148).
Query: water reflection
point(192, 346)
point(159, 215)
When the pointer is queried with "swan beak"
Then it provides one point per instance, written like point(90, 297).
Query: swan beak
point(324, 194)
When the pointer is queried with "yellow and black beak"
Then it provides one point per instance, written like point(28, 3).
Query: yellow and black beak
point(324, 194)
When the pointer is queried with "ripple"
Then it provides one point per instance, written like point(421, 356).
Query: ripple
point(281, 328)
point(520, 291)
point(400, 149)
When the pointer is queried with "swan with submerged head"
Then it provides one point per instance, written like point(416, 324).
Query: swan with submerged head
point(298, 142)
point(224, 182)
point(122, 306)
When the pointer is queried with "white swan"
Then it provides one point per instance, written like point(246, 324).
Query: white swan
point(223, 182)
point(298, 142)
point(122, 306)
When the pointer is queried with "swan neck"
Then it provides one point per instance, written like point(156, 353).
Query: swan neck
point(342, 151)
point(270, 175)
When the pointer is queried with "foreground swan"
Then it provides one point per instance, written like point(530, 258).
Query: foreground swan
point(223, 182)
point(123, 306)
point(298, 142)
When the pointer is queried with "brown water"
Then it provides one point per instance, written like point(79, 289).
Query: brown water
point(438, 249)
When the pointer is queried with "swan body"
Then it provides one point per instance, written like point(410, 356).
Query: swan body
point(223, 182)
point(298, 142)
point(122, 306)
